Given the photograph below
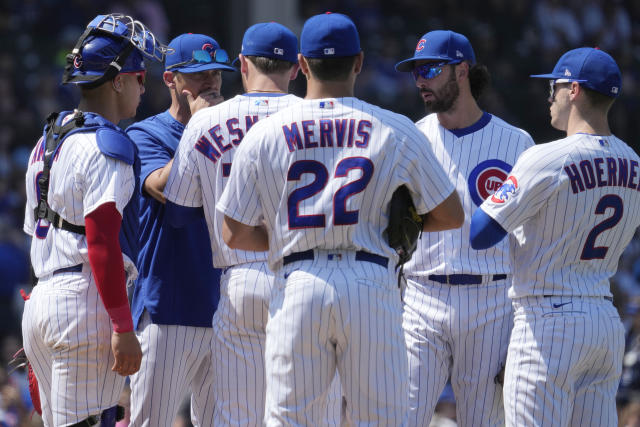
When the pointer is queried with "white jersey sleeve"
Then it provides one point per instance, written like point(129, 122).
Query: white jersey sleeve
point(81, 179)
point(576, 200)
point(204, 159)
point(322, 174)
point(183, 185)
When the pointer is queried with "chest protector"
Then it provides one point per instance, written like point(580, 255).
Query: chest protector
point(112, 142)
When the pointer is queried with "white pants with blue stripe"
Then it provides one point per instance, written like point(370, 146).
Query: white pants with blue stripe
point(334, 312)
point(67, 337)
point(176, 361)
point(564, 362)
point(459, 332)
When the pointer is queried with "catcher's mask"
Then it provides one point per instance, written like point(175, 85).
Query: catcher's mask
point(111, 44)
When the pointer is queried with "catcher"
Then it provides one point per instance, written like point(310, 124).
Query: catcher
point(82, 214)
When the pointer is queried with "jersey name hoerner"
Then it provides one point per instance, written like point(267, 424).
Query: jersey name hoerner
point(579, 206)
point(321, 175)
point(477, 163)
point(205, 155)
point(81, 179)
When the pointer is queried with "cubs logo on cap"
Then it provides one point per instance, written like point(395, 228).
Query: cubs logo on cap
point(507, 190)
point(184, 57)
point(441, 46)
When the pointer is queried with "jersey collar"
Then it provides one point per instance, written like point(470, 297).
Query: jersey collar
point(482, 122)
point(263, 94)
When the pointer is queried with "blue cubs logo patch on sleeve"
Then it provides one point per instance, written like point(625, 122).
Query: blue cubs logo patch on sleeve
point(507, 189)
point(486, 178)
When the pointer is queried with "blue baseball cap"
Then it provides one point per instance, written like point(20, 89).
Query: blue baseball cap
point(591, 67)
point(192, 53)
point(270, 40)
point(442, 46)
point(329, 35)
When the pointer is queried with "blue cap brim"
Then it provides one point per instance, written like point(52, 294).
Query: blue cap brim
point(552, 76)
point(196, 68)
point(409, 64)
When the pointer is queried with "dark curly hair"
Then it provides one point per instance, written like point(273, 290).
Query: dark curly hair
point(479, 80)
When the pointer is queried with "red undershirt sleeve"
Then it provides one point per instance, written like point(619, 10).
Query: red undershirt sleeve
point(105, 256)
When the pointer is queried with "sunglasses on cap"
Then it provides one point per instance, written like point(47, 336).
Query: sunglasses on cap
point(141, 75)
point(204, 57)
point(428, 71)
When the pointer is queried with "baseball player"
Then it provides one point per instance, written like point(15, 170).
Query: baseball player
point(177, 289)
point(82, 212)
point(576, 200)
point(312, 184)
point(268, 63)
point(457, 316)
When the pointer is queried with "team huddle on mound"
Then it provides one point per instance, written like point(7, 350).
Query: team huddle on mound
point(254, 235)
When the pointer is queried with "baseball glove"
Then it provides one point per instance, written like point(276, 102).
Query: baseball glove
point(20, 360)
point(405, 225)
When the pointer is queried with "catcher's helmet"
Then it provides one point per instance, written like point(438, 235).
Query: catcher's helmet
point(111, 44)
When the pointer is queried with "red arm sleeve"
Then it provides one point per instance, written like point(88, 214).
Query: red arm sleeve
point(103, 228)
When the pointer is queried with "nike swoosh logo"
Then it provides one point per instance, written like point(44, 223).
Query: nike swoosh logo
point(286, 275)
point(561, 304)
point(48, 152)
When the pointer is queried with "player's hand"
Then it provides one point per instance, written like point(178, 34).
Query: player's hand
point(204, 99)
point(127, 353)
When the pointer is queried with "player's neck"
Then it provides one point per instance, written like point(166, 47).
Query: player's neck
point(461, 115)
point(324, 89)
point(594, 124)
point(261, 83)
point(101, 106)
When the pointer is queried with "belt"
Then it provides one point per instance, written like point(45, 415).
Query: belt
point(360, 256)
point(608, 298)
point(72, 269)
point(464, 279)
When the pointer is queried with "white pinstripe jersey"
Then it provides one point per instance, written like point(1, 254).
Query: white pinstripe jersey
point(203, 161)
point(477, 160)
point(578, 199)
point(81, 179)
point(321, 174)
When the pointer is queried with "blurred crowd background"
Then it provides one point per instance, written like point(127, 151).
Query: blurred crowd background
point(513, 38)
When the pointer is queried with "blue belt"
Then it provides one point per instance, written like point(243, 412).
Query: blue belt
point(72, 269)
point(463, 279)
point(360, 256)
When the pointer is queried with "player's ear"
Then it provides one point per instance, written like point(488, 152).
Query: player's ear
point(462, 70)
point(304, 66)
point(574, 90)
point(244, 66)
point(169, 79)
point(357, 64)
point(117, 83)
point(294, 71)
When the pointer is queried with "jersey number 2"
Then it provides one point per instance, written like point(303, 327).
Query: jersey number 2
point(590, 251)
point(341, 216)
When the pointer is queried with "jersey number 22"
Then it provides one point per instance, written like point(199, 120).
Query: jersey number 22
point(341, 216)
